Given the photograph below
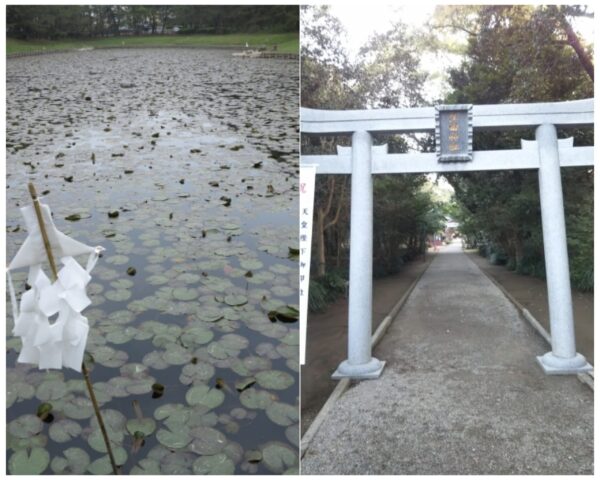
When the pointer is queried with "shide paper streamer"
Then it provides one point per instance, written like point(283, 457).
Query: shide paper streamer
point(61, 343)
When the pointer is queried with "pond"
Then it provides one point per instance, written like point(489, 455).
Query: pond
point(194, 153)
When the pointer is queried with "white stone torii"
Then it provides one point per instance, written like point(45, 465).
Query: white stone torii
point(546, 153)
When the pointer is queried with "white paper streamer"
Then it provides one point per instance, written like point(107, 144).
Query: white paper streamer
point(307, 197)
point(50, 324)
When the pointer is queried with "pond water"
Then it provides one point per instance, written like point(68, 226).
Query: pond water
point(197, 151)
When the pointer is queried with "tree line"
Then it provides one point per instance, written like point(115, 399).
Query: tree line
point(513, 54)
point(87, 21)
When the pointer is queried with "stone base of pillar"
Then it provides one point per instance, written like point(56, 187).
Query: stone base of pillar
point(370, 370)
point(553, 365)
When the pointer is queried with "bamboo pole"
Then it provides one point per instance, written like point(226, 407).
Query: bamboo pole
point(86, 373)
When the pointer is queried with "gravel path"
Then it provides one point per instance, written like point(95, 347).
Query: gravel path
point(461, 392)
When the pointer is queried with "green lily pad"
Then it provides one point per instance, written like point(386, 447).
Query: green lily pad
point(102, 466)
point(74, 462)
point(29, 462)
point(177, 438)
point(196, 373)
point(256, 399)
point(147, 466)
point(205, 396)
point(145, 425)
point(50, 390)
point(214, 465)
point(64, 430)
point(25, 426)
point(196, 336)
point(235, 300)
point(251, 264)
point(282, 414)
point(77, 407)
point(176, 355)
point(118, 295)
point(274, 379)
point(173, 414)
point(109, 357)
point(207, 441)
point(292, 433)
point(185, 294)
point(278, 457)
point(244, 383)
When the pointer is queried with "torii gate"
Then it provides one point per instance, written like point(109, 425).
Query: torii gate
point(453, 126)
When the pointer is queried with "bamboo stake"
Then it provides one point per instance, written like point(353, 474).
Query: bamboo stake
point(86, 374)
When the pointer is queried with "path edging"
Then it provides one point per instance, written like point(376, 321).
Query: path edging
point(344, 384)
point(587, 378)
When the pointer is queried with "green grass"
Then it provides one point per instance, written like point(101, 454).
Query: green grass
point(286, 42)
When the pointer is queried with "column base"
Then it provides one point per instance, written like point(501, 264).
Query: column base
point(363, 371)
point(553, 365)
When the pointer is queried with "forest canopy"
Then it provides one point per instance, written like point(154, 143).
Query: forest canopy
point(52, 22)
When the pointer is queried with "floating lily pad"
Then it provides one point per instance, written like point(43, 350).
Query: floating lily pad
point(282, 414)
point(244, 383)
point(102, 466)
point(77, 407)
point(147, 466)
point(25, 426)
point(196, 336)
point(185, 294)
point(50, 390)
point(236, 300)
point(214, 465)
point(207, 441)
point(145, 425)
point(64, 430)
point(256, 399)
point(173, 414)
point(109, 357)
point(196, 373)
point(29, 462)
point(74, 462)
point(278, 457)
point(205, 396)
point(274, 379)
point(177, 438)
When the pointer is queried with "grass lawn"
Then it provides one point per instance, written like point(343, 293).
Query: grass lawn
point(286, 42)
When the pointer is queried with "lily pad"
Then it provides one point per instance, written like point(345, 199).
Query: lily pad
point(145, 425)
point(25, 426)
point(274, 379)
point(102, 466)
point(176, 438)
point(185, 294)
point(74, 462)
point(236, 300)
point(283, 414)
point(196, 336)
point(29, 462)
point(278, 457)
point(207, 441)
point(205, 396)
point(147, 466)
point(214, 465)
point(64, 430)
point(256, 399)
point(196, 373)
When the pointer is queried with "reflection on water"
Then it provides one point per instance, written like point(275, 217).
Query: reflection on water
point(180, 143)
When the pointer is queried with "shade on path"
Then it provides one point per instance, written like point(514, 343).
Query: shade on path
point(461, 392)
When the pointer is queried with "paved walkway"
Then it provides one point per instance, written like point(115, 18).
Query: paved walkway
point(461, 392)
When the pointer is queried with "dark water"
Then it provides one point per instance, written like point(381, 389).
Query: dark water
point(197, 150)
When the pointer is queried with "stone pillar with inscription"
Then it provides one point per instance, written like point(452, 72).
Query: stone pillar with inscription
point(360, 364)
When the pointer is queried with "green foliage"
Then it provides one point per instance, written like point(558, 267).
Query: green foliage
point(518, 54)
point(325, 290)
point(79, 21)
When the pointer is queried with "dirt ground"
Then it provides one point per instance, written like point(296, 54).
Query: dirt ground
point(532, 294)
point(328, 337)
